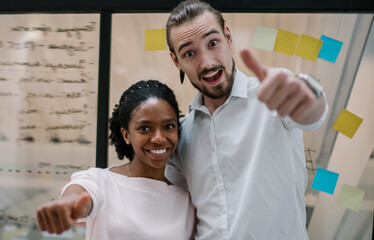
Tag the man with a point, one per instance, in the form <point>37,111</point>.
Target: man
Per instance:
<point>241,151</point>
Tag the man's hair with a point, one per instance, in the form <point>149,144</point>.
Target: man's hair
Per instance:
<point>186,11</point>
<point>129,103</point>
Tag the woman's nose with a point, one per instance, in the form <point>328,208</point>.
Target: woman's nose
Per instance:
<point>158,137</point>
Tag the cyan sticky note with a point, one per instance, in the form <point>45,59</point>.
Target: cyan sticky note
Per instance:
<point>325,181</point>
<point>264,38</point>
<point>155,39</point>
<point>330,49</point>
<point>350,197</point>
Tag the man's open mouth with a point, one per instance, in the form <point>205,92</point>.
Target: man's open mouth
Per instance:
<point>212,77</point>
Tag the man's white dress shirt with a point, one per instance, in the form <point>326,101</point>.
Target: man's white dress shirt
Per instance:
<point>244,167</point>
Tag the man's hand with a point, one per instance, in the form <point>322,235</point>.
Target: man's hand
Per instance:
<point>287,94</point>
<point>59,215</point>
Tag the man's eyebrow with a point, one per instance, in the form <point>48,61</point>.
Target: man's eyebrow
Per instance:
<point>213,31</point>
<point>210,33</point>
<point>184,45</point>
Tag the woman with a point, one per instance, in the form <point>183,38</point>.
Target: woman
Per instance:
<point>133,200</point>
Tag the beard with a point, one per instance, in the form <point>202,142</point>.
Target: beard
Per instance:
<point>221,90</point>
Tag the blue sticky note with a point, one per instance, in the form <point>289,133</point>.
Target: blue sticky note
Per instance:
<point>325,181</point>
<point>330,49</point>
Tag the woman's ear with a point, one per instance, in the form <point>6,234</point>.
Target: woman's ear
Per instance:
<point>125,135</point>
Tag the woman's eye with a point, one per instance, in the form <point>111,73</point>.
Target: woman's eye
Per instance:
<point>143,128</point>
<point>189,54</point>
<point>170,126</point>
<point>213,43</point>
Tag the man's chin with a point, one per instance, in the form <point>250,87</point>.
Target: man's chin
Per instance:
<point>217,93</point>
<point>219,90</point>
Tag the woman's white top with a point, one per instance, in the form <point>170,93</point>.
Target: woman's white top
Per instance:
<point>134,208</point>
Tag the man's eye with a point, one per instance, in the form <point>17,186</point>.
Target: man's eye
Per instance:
<point>213,43</point>
<point>189,54</point>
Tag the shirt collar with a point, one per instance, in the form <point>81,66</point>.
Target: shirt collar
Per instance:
<point>239,89</point>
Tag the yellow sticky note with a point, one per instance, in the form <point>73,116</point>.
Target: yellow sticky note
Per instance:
<point>308,47</point>
<point>155,39</point>
<point>347,123</point>
<point>286,42</point>
<point>350,197</point>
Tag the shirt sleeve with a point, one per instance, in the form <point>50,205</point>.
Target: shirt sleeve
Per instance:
<point>173,172</point>
<point>90,181</point>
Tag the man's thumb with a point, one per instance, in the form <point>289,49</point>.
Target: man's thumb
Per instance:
<point>253,65</point>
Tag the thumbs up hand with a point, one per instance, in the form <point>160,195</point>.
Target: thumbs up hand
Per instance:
<point>59,215</point>
<point>286,93</point>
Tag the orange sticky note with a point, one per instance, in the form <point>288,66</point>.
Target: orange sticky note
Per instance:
<point>155,39</point>
<point>286,42</point>
<point>308,47</point>
<point>347,123</point>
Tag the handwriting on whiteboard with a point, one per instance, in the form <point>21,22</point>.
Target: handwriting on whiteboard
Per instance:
<point>48,79</point>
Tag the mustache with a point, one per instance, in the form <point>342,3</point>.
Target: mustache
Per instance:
<point>213,69</point>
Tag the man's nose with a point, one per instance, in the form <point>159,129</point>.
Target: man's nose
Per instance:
<point>207,60</point>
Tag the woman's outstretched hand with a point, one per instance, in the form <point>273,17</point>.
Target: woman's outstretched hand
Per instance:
<point>60,215</point>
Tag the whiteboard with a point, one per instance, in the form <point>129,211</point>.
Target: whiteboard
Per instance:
<point>48,106</point>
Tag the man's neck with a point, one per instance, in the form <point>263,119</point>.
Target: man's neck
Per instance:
<point>213,104</point>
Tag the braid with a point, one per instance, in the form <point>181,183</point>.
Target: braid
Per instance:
<point>129,101</point>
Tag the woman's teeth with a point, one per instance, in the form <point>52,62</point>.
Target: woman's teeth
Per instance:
<point>158,151</point>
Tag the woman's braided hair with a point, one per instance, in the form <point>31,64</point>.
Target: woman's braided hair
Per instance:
<point>129,102</point>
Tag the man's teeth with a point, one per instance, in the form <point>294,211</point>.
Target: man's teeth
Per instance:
<point>211,75</point>
<point>158,151</point>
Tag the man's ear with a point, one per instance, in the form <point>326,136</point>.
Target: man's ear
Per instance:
<point>228,37</point>
<point>125,135</point>
<point>175,60</point>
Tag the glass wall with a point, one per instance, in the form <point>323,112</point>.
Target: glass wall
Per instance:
<point>48,111</point>
<point>48,106</point>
